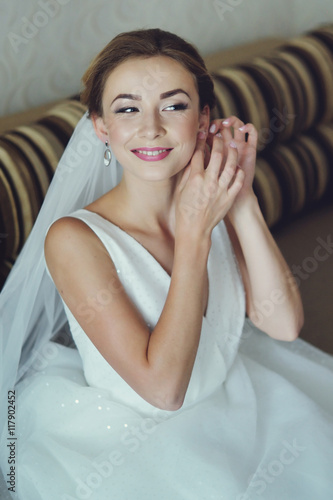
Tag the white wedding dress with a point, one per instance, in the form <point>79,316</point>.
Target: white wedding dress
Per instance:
<point>257,421</point>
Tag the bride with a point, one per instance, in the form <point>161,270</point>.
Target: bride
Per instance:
<point>172,393</point>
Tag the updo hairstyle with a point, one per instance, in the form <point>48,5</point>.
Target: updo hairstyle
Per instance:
<point>143,44</point>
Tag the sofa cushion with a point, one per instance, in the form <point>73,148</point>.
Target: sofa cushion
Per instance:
<point>287,93</point>
<point>29,155</point>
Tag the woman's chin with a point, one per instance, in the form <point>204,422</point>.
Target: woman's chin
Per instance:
<point>153,172</point>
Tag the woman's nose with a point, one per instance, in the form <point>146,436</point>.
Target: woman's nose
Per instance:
<point>151,126</point>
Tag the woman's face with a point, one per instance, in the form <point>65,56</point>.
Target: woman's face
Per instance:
<point>151,116</point>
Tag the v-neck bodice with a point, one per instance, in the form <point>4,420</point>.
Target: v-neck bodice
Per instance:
<point>141,246</point>
<point>126,234</point>
<point>147,283</point>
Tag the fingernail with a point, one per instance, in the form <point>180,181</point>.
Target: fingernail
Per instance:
<point>233,144</point>
<point>225,122</point>
<point>212,129</point>
<point>242,128</point>
<point>218,134</point>
<point>202,134</point>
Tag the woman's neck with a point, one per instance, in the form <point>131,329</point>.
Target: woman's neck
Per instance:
<point>146,205</point>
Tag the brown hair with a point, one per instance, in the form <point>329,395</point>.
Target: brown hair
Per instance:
<point>144,43</point>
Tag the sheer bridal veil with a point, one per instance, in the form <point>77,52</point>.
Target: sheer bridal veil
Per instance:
<point>31,311</point>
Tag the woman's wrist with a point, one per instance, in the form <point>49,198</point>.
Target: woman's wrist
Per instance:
<point>192,248</point>
<point>194,242</point>
<point>241,214</point>
<point>189,231</point>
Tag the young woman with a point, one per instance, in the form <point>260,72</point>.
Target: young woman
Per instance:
<point>171,392</point>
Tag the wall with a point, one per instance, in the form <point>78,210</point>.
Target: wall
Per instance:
<point>45,45</point>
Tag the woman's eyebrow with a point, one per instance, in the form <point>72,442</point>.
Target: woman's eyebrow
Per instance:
<point>165,95</point>
<point>170,93</point>
<point>133,97</point>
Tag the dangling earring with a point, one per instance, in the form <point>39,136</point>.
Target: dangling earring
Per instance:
<point>107,155</point>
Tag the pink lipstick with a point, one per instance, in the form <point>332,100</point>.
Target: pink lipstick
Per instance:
<point>151,154</point>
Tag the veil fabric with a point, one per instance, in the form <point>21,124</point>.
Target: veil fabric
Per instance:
<point>31,310</point>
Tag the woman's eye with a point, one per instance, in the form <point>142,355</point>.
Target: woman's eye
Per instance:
<point>127,110</point>
<point>176,107</point>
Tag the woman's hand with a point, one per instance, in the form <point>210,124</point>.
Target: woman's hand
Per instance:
<point>263,268</point>
<point>246,149</point>
<point>208,188</point>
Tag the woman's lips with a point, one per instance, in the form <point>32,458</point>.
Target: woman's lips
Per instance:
<point>151,154</point>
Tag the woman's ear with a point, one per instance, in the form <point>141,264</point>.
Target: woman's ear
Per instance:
<point>99,128</point>
<point>204,119</point>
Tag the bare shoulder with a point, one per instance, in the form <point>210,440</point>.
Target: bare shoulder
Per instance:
<point>72,251</point>
<point>65,229</point>
<point>68,235</point>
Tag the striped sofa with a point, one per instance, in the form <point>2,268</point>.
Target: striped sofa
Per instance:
<point>284,87</point>
<point>29,155</point>
<point>288,95</point>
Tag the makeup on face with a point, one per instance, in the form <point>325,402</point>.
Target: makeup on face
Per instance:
<point>151,154</point>
<point>151,125</point>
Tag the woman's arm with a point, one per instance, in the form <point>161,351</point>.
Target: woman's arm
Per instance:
<point>273,299</point>
<point>157,365</point>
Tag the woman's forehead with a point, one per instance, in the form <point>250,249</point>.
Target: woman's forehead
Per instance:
<point>144,75</point>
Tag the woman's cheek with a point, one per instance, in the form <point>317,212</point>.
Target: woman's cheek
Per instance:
<point>193,144</point>
<point>119,132</point>
<point>188,154</point>
<point>119,138</point>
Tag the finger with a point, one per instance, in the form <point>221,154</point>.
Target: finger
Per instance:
<point>252,132</point>
<point>215,127</point>
<point>236,170</point>
<point>233,123</point>
<point>227,135</point>
<point>230,167</point>
<point>216,158</point>
<point>237,184</point>
<point>237,124</point>
<point>198,157</point>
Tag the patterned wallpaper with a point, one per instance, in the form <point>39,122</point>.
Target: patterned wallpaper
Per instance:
<point>46,45</point>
